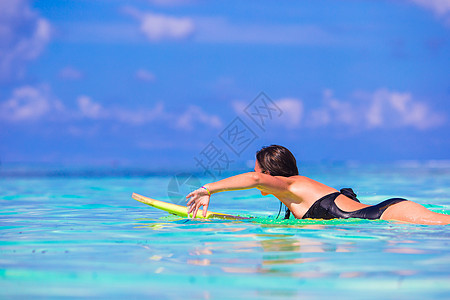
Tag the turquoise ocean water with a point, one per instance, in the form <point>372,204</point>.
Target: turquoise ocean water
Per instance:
<point>75,232</point>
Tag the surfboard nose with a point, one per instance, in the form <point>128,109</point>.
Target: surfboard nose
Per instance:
<point>181,211</point>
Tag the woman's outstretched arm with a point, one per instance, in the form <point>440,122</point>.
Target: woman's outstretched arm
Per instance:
<point>201,196</point>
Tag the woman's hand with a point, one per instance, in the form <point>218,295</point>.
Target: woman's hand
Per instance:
<point>199,197</point>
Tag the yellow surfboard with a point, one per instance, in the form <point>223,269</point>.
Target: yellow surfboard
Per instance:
<point>182,210</point>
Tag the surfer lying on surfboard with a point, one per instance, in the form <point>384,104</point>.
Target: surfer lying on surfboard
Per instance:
<point>276,173</point>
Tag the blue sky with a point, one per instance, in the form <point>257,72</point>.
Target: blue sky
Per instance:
<point>153,82</point>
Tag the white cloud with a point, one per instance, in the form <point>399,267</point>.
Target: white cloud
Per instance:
<point>94,110</point>
<point>395,109</point>
<point>239,106</point>
<point>333,110</point>
<point>23,36</point>
<point>318,118</point>
<point>195,115</point>
<point>90,109</point>
<point>145,75</point>
<point>141,116</point>
<point>30,103</point>
<point>380,109</point>
<point>70,73</point>
<point>158,27</point>
<point>188,120</point>
<point>292,112</point>
<point>439,7</point>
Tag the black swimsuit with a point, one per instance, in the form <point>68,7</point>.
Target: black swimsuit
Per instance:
<point>325,208</point>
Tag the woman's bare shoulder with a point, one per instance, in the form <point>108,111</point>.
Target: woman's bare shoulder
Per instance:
<point>293,179</point>
<point>300,179</point>
<point>304,183</point>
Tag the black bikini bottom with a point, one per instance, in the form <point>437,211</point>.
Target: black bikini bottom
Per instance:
<point>325,208</point>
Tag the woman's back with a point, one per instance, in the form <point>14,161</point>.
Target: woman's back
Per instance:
<point>307,191</point>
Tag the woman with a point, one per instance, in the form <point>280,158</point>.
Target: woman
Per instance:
<point>276,173</point>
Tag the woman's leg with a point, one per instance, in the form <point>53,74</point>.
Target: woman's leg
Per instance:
<point>411,212</point>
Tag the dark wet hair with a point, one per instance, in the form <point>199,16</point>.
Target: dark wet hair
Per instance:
<point>277,161</point>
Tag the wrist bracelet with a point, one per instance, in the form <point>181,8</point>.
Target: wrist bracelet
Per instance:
<point>203,187</point>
